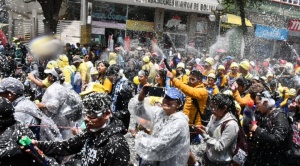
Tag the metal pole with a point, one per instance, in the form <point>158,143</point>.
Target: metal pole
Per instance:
<point>83,12</point>
<point>217,30</point>
<point>126,20</point>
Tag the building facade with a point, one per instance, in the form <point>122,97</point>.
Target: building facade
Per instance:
<point>174,23</point>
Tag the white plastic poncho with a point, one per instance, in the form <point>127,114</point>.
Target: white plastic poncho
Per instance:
<point>55,99</point>
<point>169,142</point>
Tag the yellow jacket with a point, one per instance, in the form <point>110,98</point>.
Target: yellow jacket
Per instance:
<point>67,72</point>
<point>106,84</point>
<point>243,101</point>
<point>200,93</point>
<point>84,72</point>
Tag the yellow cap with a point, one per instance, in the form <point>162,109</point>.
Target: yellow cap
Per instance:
<point>51,65</point>
<point>62,61</point>
<point>234,64</point>
<point>94,71</point>
<point>211,75</point>
<point>93,87</point>
<point>269,75</point>
<point>187,72</point>
<point>112,62</point>
<point>180,64</point>
<point>221,67</point>
<point>136,80</point>
<point>146,59</point>
<point>292,92</point>
<point>245,65</point>
<point>63,57</point>
<point>209,60</point>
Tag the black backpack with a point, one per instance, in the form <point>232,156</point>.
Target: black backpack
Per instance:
<point>205,117</point>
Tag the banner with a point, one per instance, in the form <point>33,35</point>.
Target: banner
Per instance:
<point>271,33</point>
<point>294,25</point>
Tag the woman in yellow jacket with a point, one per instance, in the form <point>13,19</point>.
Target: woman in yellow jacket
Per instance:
<point>102,67</point>
<point>180,73</point>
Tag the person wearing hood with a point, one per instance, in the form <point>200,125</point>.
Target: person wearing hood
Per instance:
<point>221,79</point>
<point>101,143</point>
<point>244,67</point>
<point>220,135</point>
<point>26,111</point>
<point>169,142</point>
<point>58,100</point>
<point>208,63</point>
<point>63,64</point>
<point>10,132</point>
<point>180,73</point>
<point>211,87</point>
<point>233,74</point>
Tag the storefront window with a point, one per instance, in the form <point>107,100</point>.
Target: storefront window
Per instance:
<point>175,21</point>
<point>139,13</point>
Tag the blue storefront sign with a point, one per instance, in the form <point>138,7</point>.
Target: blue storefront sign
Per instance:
<point>271,33</point>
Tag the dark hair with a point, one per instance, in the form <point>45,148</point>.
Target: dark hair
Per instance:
<point>221,100</point>
<point>163,74</point>
<point>105,63</point>
<point>113,69</point>
<point>241,81</point>
<point>146,72</point>
<point>197,74</point>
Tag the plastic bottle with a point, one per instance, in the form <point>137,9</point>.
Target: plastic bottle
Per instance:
<point>38,154</point>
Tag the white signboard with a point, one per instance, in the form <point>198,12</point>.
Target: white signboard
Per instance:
<point>199,6</point>
<point>70,31</point>
<point>98,31</point>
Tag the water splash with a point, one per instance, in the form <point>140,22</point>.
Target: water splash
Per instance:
<point>223,42</point>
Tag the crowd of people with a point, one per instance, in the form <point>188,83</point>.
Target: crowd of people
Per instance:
<point>93,106</point>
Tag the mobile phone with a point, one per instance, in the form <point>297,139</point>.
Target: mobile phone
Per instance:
<point>154,91</point>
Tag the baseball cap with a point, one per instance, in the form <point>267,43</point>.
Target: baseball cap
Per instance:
<point>76,59</point>
<point>93,87</point>
<point>229,57</point>
<point>12,85</point>
<point>52,71</point>
<point>175,94</point>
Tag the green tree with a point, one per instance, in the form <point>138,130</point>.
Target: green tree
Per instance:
<point>238,7</point>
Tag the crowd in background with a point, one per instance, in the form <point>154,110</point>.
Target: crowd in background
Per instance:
<point>93,106</point>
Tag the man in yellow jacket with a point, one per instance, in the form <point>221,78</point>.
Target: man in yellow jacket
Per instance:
<point>194,89</point>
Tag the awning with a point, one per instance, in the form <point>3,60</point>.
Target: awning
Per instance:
<point>234,19</point>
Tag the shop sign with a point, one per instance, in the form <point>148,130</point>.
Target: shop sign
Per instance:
<point>98,31</point>
<point>294,25</point>
<point>184,4</point>
<point>109,16</point>
<point>288,2</point>
<point>108,25</point>
<point>140,26</point>
<point>271,33</point>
